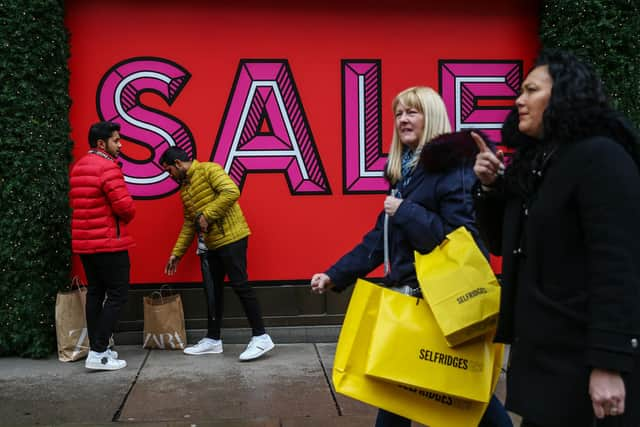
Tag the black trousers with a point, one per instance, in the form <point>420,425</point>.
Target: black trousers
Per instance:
<point>229,260</point>
<point>107,275</point>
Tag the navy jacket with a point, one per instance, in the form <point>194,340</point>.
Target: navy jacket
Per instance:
<point>437,200</point>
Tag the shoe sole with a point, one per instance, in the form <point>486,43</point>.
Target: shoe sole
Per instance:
<point>262,353</point>
<point>101,367</point>
<point>202,352</point>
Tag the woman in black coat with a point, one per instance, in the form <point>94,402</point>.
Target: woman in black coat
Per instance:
<point>565,217</point>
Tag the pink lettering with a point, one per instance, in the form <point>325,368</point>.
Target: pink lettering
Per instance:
<point>265,129</point>
<point>118,100</point>
<point>362,155</point>
<point>464,83</point>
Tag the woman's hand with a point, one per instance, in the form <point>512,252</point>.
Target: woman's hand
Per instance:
<point>488,165</point>
<point>607,392</point>
<point>391,205</point>
<point>320,282</point>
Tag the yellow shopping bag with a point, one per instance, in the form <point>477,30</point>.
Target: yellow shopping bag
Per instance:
<point>408,347</point>
<point>460,287</point>
<point>430,408</point>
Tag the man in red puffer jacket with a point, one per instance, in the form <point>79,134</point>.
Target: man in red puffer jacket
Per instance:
<point>102,208</point>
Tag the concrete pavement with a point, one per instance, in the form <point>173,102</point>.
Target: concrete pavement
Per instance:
<point>290,386</point>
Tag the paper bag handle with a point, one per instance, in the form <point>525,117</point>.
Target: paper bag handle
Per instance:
<point>159,293</point>
<point>76,283</point>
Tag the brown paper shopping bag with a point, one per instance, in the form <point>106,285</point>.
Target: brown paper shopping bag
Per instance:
<point>164,322</point>
<point>71,324</point>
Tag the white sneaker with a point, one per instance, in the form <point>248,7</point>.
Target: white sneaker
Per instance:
<point>112,353</point>
<point>257,347</point>
<point>103,362</point>
<point>205,346</point>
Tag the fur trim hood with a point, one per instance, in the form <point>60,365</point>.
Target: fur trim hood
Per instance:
<point>448,151</point>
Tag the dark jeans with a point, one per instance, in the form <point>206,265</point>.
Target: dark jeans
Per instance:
<point>389,419</point>
<point>107,275</point>
<point>229,260</point>
<point>494,416</point>
<point>605,422</point>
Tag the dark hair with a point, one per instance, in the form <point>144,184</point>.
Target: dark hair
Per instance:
<point>172,154</point>
<point>103,131</point>
<point>578,109</point>
<point>577,101</point>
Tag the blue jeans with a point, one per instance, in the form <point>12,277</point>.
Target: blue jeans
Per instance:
<point>494,416</point>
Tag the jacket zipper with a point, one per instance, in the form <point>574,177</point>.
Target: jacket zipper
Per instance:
<point>117,228</point>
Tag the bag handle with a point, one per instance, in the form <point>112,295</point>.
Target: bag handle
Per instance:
<point>166,288</point>
<point>76,283</point>
<point>157,295</point>
<point>387,263</point>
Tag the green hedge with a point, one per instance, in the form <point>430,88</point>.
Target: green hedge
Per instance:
<point>606,33</point>
<point>35,151</point>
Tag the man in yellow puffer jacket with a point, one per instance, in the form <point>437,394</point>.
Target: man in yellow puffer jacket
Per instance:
<point>211,210</point>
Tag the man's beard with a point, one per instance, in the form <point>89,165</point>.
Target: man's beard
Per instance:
<point>182,178</point>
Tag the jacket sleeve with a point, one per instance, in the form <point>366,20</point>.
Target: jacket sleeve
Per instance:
<point>609,207</point>
<point>361,260</point>
<point>187,233</point>
<point>489,208</point>
<point>115,189</point>
<point>226,191</point>
<point>425,229</point>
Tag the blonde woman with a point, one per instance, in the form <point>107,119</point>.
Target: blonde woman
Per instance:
<point>431,175</point>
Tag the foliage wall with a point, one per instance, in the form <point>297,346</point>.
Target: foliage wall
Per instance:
<point>35,151</point>
<point>606,33</point>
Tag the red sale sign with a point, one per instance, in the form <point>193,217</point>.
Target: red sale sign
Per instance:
<point>292,100</point>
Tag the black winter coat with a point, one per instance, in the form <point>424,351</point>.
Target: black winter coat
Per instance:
<point>437,200</point>
<point>571,282</point>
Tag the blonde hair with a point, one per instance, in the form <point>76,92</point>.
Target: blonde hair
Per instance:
<point>436,122</point>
